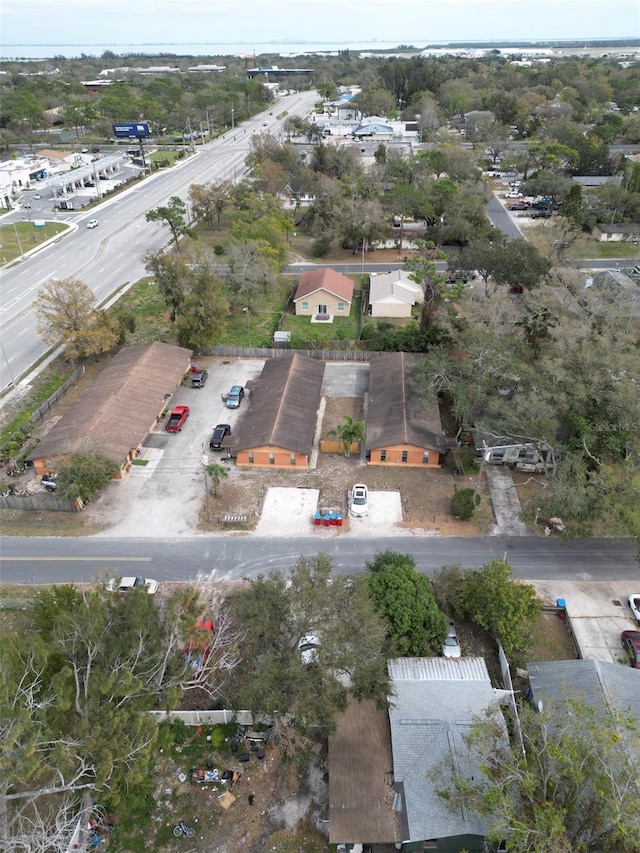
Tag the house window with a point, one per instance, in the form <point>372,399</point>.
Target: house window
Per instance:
<point>305,306</point>
<point>405,456</point>
<point>383,455</point>
<point>272,459</point>
<point>292,459</point>
<point>250,457</point>
<point>340,306</point>
<point>425,457</point>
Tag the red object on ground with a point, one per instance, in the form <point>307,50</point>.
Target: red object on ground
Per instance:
<point>327,520</point>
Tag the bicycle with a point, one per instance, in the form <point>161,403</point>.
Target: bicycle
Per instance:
<point>183,829</point>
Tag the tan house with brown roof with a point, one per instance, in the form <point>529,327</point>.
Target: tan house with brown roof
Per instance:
<point>401,429</point>
<point>279,429</point>
<point>120,408</point>
<point>323,293</point>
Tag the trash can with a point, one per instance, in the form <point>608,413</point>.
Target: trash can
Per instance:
<point>339,521</point>
<point>561,604</point>
<point>317,519</point>
<point>327,520</point>
<point>334,519</point>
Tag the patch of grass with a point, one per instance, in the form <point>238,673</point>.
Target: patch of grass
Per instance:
<point>21,237</point>
<point>141,462</point>
<point>552,640</point>
<point>16,522</point>
<point>306,839</point>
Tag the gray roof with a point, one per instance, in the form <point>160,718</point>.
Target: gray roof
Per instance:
<point>597,683</point>
<point>284,405</point>
<point>434,703</point>
<point>395,415</point>
<point>394,285</point>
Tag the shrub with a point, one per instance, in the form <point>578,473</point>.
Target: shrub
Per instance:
<point>320,247</point>
<point>464,502</point>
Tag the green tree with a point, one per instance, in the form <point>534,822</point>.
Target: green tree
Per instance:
<point>205,311</point>
<point>402,596</point>
<point>173,216</point>
<point>65,313</point>
<point>171,274</point>
<point>274,612</point>
<point>505,608</point>
<point>84,474</point>
<point>348,432</point>
<point>217,474</point>
<point>571,785</point>
<point>464,502</point>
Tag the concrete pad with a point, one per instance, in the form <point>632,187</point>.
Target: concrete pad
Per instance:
<point>598,614</point>
<point>288,512</point>
<point>505,501</point>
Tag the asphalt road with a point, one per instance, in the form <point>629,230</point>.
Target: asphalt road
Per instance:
<point>226,558</point>
<point>109,257</point>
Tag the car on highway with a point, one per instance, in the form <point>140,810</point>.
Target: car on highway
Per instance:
<point>127,584</point>
<point>451,646</point>
<point>37,195</point>
<point>308,647</point>
<point>631,645</point>
<point>634,604</point>
<point>265,124</point>
<point>219,435</point>
<point>92,223</point>
<point>199,378</point>
<point>235,396</point>
<point>177,418</point>
<point>359,503</point>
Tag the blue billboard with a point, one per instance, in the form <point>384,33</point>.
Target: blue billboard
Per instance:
<point>131,129</point>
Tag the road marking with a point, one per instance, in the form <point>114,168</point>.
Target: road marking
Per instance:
<point>75,559</point>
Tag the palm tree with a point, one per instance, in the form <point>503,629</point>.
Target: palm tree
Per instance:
<point>217,474</point>
<point>348,432</point>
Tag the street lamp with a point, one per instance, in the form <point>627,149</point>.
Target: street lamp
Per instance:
<point>246,311</point>
<point>232,124</point>
<point>18,239</point>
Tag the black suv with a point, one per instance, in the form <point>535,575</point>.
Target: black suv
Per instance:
<point>542,214</point>
<point>219,435</point>
<point>198,378</point>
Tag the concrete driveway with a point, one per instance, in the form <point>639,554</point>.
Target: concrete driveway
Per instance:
<point>164,497</point>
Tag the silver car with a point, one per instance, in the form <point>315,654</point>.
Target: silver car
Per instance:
<point>451,646</point>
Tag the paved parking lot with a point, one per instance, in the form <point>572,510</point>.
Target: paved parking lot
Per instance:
<point>164,497</point>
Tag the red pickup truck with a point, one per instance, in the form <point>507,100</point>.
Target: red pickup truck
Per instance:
<point>177,418</point>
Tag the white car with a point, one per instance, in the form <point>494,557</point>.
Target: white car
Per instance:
<point>359,505</point>
<point>92,223</point>
<point>513,194</point>
<point>451,646</point>
<point>308,648</point>
<point>37,195</point>
<point>634,604</point>
<point>126,584</point>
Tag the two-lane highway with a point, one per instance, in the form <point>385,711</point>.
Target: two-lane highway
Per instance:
<point>231,558</point>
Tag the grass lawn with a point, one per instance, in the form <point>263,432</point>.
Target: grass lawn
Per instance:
<point>20,237</point>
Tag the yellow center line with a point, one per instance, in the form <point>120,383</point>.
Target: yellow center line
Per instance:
<point>75,559</point>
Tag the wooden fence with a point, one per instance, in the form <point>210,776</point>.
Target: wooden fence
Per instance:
<point>39,503</point>
<point>272,352</point>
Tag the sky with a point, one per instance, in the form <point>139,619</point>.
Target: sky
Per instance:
<point>417,22</point>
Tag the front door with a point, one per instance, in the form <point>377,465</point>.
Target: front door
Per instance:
<point>322,309</point>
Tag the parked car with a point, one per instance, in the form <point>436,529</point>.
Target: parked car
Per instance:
<point>451,646</point>
<point>513,194</point>
<point>92,223</point>
<point>541,214</point>
<point>631,644</point>
<point>234,397</point>
<point>308,648</point>
<point>219,434</point>
<point>458,277</point>
<point>177,418</point>
<point>49,480</point>
<point>634,604</point>
<point>126,584</point>
<point>199,378</point>
<point>519,205</point>
<point>359,504</point>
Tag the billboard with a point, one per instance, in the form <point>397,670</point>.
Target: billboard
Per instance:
<point>131,129</point>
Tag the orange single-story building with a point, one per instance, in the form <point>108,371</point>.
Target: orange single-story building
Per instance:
<point>121,407</point>
<point>279,428</point>
<point>323,293</point>
<point>402,428</point>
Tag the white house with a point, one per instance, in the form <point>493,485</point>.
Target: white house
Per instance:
<point>393,294</point>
